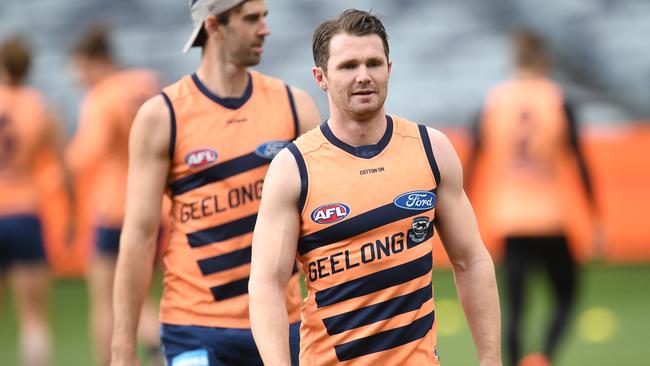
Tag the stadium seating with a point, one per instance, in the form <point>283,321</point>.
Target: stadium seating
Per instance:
<point>446,53</point>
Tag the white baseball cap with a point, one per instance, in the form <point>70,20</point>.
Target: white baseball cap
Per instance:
<point>201,9</point>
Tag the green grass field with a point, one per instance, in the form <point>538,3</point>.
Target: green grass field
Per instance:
<point>611,326</point>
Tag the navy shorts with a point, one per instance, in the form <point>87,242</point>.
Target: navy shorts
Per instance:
<point>107,240</point>
<point>21,240</point>
<point>205,346</point>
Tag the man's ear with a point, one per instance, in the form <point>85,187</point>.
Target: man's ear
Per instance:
<point>320,76</point>
<point>212,26</point>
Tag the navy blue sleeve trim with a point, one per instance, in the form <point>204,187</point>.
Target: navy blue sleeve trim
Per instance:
<point>294,112</point>
<point>426,142</point>
<point>304,180</point>
<point>172,126</point>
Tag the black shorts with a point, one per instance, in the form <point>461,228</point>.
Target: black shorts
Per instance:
<point>107,240</point>
<point>21,241</point>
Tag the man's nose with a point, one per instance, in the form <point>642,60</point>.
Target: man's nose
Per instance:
<point>362,75</point>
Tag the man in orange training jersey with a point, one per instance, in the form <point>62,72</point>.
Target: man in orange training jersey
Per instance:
<point>206,142</point>
<point>525,134</point>
<point>356,201</point>
<point>27,130</point>
<point>100,150</point>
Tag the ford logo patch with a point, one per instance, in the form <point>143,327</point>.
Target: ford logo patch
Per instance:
<point>416,200</point>
<point>270,149</point>
<point>330,213</point>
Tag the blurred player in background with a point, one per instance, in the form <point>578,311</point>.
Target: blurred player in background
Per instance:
<point>100,149</point>
<point>207,142</point>
<point>356,200</point>
<point>27,131</point>
<point>526,132</point>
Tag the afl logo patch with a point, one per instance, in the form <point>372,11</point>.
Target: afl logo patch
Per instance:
<point>200,158</point>
<point>330,213</point>
<point>270,149</point>
<point>416,200</point>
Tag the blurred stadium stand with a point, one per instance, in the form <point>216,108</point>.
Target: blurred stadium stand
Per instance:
<point>446,53</point>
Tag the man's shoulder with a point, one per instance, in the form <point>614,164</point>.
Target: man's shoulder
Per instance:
<point>26,94</point>
<point>268,83</point>
<point>263,76</point>
<point>179,89</point>
<point>310,141</point>
<point>506,89</point>
<point>407,127</point>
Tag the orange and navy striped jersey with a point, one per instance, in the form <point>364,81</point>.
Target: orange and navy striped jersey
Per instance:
<point>220,152</point>
<point>524,136</point>
<point>365,245</point>
<point>23,126</point>
<point>101,143</point>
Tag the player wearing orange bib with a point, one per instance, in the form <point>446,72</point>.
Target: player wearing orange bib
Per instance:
<point>27,130</point>
<point>526,134</point>
<point>356,201</point>
<point>99,151</point>
<point>207,142</point>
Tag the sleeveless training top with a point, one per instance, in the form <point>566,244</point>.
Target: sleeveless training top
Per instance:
<point>102,141</point>
<point>524,136</point>
<point>366,247</point>
<point>220,152</point>
<point>22,130</point>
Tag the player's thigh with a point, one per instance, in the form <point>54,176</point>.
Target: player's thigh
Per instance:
<point>561,266</point>
<point>31,284</point>
<point>100,274</point>
<point>103,262</point>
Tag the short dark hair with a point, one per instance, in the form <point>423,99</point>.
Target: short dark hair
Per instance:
<point>530,50</point>
<point>352,21</point>
<point>94,44</point>
<point>15,59</point>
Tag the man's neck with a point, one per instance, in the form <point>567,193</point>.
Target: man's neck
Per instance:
<point>355,132</point>
<point>104,70</point>
<point>530,73</point>
<point>222,78</point>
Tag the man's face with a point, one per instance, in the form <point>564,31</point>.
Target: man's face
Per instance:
<point>245,32</point>
<point>357,74</point>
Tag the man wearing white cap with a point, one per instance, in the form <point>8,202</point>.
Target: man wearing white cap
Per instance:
<point>206,142</point>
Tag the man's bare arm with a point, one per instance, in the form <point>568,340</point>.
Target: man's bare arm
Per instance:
<point>274,252</point>
<point>308,113</point>
<point>148,169</point>
<point>472,264</point>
